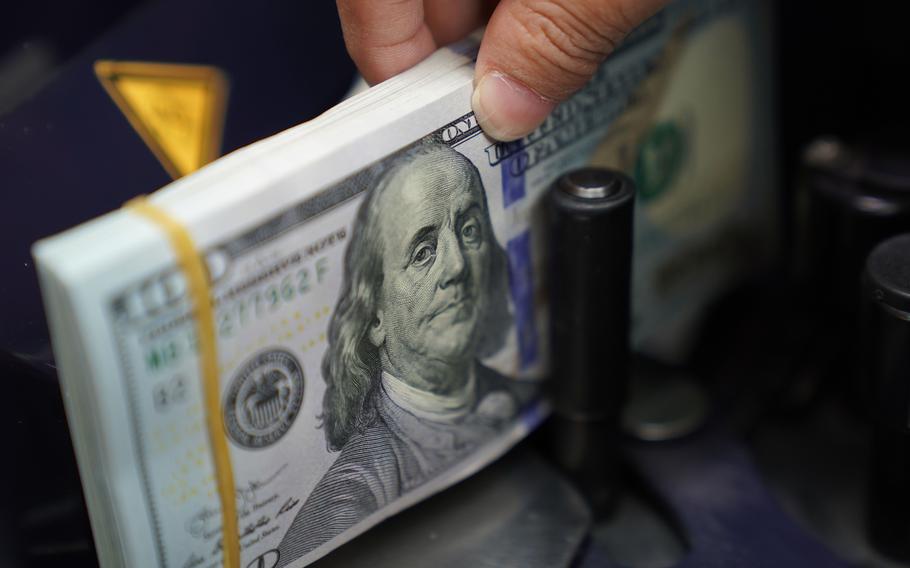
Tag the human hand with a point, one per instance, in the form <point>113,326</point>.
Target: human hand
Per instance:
<point>534,54</point>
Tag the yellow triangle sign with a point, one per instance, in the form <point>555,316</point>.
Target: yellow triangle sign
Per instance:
<point>178,110</point>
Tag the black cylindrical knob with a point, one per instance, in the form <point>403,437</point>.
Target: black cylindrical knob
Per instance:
<point>590,250</point>
<point>590,222</point>
<point>853,198</point>
<point>886,331</point>
<point>886,364</point>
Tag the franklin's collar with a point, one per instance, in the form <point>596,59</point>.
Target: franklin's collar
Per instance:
<point>430,406</point>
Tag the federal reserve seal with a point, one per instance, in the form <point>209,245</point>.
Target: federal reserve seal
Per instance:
<point>263,400</point>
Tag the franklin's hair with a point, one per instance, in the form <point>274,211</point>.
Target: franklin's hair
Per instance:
<point>351,366</point>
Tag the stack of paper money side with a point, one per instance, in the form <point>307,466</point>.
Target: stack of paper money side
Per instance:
<point>378,283</point>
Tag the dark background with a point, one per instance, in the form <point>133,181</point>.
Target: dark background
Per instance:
<point>67,155</point>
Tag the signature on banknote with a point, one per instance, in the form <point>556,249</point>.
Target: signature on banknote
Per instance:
<point>206,523</point>
<point>247,493</point>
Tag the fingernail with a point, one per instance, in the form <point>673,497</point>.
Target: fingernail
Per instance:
<point>506,109</point>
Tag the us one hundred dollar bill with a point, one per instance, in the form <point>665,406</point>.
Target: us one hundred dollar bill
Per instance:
<point>378,289</point>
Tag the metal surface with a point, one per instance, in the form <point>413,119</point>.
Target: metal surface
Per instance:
<point>590,183</point>
<point>517,513</point>
<point>816,468</point>
<point>664,409</point>
<point>729,517</point>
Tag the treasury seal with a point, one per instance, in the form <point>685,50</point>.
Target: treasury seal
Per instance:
<point>263,399</point>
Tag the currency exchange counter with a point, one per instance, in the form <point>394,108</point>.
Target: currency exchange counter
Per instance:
<point>721,461</point>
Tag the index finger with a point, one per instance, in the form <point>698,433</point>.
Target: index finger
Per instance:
<point>385,37</point>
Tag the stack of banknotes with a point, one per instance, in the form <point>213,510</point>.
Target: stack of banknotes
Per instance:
<point>379,293</point>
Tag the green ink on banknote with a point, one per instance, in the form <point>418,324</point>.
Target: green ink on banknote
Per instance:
<point>659,160</point>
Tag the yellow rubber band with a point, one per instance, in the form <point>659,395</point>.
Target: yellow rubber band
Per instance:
<point>194,269</point>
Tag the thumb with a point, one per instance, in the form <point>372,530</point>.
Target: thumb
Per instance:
<point>536,53</point>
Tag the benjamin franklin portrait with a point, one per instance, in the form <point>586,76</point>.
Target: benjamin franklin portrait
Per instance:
<point>424,299</point>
